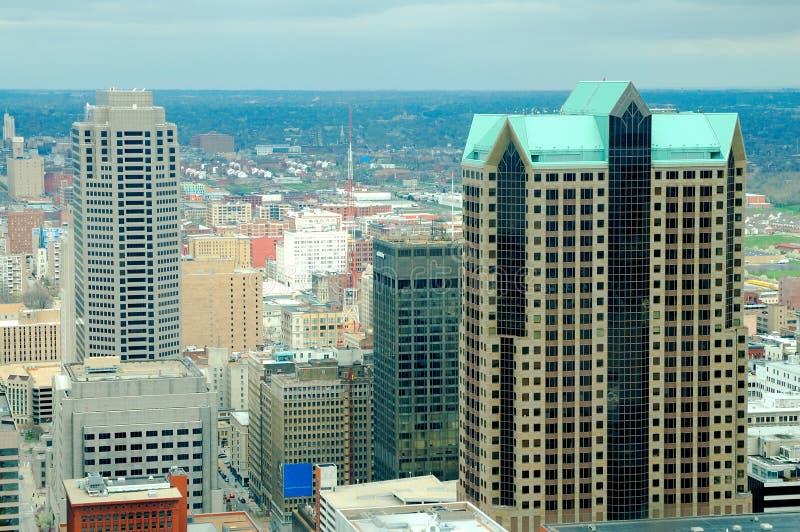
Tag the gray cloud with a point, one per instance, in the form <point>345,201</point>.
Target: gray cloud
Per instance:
<point>418,44</point>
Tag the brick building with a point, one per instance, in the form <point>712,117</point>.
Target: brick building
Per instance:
<point>132,503</point>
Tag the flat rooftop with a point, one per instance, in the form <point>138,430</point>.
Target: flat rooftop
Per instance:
<point>780,521</point>
<point>121,490</point>
<point>460,516</point>
<point>777,432</point>
<point>146,369</point>
<point>412,490</point>
<point>238,521</point>
<point>41,373</point>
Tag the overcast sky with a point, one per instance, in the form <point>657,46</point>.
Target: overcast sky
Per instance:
<point>398,44</point>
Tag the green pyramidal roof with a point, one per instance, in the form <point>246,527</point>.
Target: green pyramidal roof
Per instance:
<point>594,97</point>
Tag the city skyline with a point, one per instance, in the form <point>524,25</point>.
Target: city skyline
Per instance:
<point>408,45</point>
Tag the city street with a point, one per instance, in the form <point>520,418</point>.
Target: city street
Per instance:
<point>29,501</point>
<point>231,485</point>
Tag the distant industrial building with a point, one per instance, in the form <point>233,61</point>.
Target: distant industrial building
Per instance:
<point>263,150</point>
<point>219,213</point>
<point>316,243</point>
<point>213,143</point>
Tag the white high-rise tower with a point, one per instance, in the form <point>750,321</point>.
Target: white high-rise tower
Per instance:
<point>125,217</point>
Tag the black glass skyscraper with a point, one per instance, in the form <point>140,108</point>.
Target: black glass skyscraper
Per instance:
<point>416,312</point>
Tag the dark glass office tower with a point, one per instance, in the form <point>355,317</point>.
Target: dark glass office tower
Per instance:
<point>416,312</point>
<point>602,363</point>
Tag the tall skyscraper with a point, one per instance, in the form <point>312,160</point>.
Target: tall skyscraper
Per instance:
<point>603,371</point>
<point>126,238</point>
<point>416,311</point>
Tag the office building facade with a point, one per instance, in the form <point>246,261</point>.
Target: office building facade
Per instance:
<point>320,414</point>
<point>133,419</point>
<point>125,223</point>
<point>416,312</point>
<point>603,358</point>
<point>222,305</point>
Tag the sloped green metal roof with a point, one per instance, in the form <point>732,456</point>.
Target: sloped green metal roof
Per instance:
<point>579,135</point>
<point>482,134</point>
<point>594,97</point>
<point>692,136</point>
<point>545,138</point>
<point>724,125</point>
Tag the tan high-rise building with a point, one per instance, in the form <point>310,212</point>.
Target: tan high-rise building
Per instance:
<point>29,335</point>
<point>125,229</point>
<point>603,358</point>
<point>221,306</point>
<point>25,177</point>
<point>320,414</point>
<point>236,248</point>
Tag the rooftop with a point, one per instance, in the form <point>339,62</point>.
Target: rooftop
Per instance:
<point>781,522</point>
<point>41,373</point>
<point>412,490</point>
<point>242,418</point>
<point>95,489</point>
<point>579,134</point>
<point>110,368</point>
<point>238,521</point>
<point>461,516</point>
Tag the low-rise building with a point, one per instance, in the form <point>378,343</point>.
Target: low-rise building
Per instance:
<point>29,335</point>
<point>29,389</point>
<point>312,325</point>
<point>412,502</point>
<point>234,213</point>
<point>235,248</point>
<point>130,503</point>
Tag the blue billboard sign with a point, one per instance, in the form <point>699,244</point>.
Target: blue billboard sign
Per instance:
<point>297,480</point>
